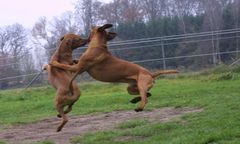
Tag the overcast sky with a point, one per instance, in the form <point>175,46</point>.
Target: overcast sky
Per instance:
<point>27,12</point>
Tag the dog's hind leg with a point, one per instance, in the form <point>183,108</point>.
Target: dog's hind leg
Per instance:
<point>75,96</point>
<point>69,109</point>
<point>133,90</point>
<point>145,82</point>
<point>138,98</point>
<point>64,117</point>
<point>71,99</point>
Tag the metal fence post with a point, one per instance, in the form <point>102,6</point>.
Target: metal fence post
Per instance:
<point>214,51</point>
<point>163,54</point>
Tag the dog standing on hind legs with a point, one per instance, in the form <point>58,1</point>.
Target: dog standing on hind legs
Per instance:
<point>103,66</point>
<point>60,79</point>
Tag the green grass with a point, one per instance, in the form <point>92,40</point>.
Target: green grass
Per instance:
<point>44,142</point>
<point>219,123</point>
<point>218,93</point>
<point>1,142</point>
<point>38,103</point>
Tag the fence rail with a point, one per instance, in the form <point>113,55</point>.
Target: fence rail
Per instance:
<point>204,46</point>
<point>147,46</point>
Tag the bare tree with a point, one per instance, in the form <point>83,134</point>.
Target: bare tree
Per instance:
<point>39,32</point>
<point>13,49</point>
<point>153,9</point>
<point>41,40</point>
<point>89,12</point>
<point>111,13</point>
<point>66,23</point>
<point>13,40</point>
<point>213,11</point>
<point>46,34</point>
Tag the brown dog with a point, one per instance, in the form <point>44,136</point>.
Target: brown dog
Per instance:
<point>61,79</point>
<point>101,65</point>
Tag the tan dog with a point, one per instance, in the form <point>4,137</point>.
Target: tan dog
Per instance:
<point>103,66</point>
<point>61,79</point>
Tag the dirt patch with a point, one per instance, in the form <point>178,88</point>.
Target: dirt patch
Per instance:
<point>79,125</point>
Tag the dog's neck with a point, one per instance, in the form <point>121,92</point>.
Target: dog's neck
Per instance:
<point>97,43</point>
<point>63,53</point>
<point>102,47</point>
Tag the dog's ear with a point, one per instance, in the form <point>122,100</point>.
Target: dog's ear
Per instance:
<point>106,26</point>
<point>111,35</point>
<point>61,38</point>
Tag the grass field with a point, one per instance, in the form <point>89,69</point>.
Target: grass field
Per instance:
<point>216,92</point>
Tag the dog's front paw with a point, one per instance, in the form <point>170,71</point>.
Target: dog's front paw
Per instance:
<point>75,61</point>
<point>53,63</point>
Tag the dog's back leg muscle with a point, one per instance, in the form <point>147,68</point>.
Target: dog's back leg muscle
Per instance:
<point>145,82</point>
<point>71,99</point>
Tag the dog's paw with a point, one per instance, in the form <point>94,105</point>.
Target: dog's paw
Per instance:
<point>138,109</point>
<point>45,67</point>
<point>138,98</point>
<point>75,61</point>
<point>59,116</point>
<point>135,100</point>
<point>53,63</point>
<point>149,94</point>
<point>58,129</point>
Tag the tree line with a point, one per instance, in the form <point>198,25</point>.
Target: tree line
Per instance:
<point>132,19</point>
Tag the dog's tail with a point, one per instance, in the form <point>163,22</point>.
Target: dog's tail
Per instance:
<point>158,73</point>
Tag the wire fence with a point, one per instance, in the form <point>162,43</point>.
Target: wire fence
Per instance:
<point>193,52</point>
